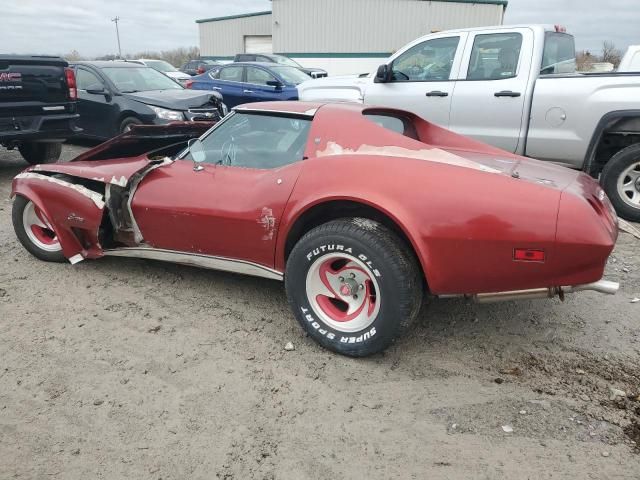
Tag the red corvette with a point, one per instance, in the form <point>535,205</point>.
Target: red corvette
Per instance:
<point>360,210</point>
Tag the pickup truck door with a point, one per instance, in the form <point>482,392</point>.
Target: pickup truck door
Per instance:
<point>423,78</point>
<point>489,101</point>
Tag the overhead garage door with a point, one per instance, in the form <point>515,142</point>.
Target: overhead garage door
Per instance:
<point>258,44</point>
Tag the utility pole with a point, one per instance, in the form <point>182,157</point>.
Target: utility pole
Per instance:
<point>116,20</point>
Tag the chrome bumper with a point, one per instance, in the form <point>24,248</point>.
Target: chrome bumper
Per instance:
<point>602,286</point>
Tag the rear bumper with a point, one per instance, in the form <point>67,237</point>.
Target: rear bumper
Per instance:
<point>14,130</point>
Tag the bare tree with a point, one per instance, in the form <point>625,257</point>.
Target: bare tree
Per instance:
<point>610,53</point>
<point>584,60</point>
<point>73,56</point>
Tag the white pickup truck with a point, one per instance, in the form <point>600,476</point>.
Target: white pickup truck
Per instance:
<point>514,87</point>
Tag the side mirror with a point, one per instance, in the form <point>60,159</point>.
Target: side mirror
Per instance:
<point>97,89</point>
<point>197,153</point>
<point>383,73</point>
<point>274,83</point>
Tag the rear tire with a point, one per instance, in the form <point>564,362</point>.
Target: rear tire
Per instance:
<point>127,123</point>
<point>40,241</point>
<point>353,285</point>
<point>620,179</point>
<point>40,152</point>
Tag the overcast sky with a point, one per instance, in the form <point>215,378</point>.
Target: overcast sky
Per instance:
<point>58,27</point>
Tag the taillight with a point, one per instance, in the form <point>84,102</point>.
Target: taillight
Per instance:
<point>528,255</point>
<point>71,83</point>
<point>188,84</point>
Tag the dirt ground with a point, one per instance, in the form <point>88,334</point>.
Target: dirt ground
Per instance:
<point>125,368</point>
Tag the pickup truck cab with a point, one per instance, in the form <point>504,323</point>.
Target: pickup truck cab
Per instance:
<point>37,106</point>
<point>514,87</point>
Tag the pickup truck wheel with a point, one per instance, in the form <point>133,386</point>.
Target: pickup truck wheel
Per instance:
<point>40,152</point>
<point>34,231</point>
<point>128,122</point>
<point>620,179</point>
<point>353,286</point>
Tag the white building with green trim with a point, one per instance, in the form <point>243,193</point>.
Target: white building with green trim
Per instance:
<point>340,36</point>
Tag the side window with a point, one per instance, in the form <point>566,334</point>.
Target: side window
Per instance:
<point>428,61</point>
<point>258,76</point>
<point>559,55</point>
<point>87,80</point>
<point>494,56</point>
<point>257,141</point>
<point>231,74</point>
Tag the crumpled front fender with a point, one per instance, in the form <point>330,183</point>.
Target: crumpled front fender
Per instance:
<point>73,211</point>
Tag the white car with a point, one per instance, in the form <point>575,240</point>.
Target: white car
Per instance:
<point>166,68</point>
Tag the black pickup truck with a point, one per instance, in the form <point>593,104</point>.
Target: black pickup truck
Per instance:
<point>37,106</point>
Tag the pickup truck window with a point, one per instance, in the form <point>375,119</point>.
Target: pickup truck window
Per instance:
<point>85,79</point>
<point>429,61</point>
<point>559,55</point>
<point>495,56</point>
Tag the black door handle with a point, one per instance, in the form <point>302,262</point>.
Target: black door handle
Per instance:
<point>507,93</point>
<point>437,93</point>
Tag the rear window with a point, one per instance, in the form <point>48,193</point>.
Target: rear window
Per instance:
<point>559,55</point>
<point>395,123</point>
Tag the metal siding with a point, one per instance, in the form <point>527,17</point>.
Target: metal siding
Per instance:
<point>302,26</point>
<point>225,38</point>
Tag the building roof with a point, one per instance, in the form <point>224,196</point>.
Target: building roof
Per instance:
<point>231,17</point>
<point>269,12</point>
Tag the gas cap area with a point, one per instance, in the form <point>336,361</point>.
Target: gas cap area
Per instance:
<point>556,116</point>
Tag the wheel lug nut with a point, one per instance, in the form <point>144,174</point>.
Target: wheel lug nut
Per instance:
<point>355,297</point>
<point>341,279</point>
<point>361,287</point>
<point>352,275</point>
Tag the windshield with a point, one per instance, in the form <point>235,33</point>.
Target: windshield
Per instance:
<point>160,65</point>
<point>285,61</point>
<point>139,79</point>
<point>291,75</point>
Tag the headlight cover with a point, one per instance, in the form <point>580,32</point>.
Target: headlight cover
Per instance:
<point>167,114</point>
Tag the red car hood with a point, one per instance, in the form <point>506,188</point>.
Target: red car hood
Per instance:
<point>117,172</point>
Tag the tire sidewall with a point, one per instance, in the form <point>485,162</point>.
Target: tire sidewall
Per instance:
<point>19,204</point>
<point>609,181</point>
<point>378,334</point>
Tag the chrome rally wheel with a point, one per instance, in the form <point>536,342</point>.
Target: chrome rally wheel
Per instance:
<point>38,229</point>
<point>353,285</point>
<point>342,292</point>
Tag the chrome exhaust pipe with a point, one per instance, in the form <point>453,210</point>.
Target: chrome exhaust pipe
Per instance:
<point>602,286</point>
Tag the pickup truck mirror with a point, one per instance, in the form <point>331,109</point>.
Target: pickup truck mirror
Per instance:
<point>274,83</point>
<point>382,75</point>
<point>96,89</point>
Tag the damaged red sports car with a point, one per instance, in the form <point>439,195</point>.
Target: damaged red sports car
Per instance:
<point>360,210</point>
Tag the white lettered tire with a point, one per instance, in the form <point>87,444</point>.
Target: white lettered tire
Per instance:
<point>353,285</point>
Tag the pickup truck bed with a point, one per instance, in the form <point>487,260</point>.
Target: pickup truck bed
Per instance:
<point>37,105</point>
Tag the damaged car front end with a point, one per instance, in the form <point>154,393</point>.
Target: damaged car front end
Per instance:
<point>78,209</point>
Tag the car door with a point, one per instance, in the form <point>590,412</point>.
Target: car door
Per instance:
<point>232,206</point>
<point>422,78</point>
<point>95,108</point>
<point>228,81</point>
<point>256,88</point>
<point>489,98</point>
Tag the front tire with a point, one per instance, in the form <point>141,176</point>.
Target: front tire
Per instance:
<point>353,285</point>
<point>34,231</point>
<point>127,123</point>
<point>620,179</point>
<point>40,152</point>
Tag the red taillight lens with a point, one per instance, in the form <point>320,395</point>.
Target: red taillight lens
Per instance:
<point>71,83</point>
<point>188,84</point>
<point>528,255</point>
